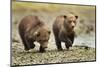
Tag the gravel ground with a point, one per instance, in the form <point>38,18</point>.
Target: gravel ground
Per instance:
<point>75,54</point>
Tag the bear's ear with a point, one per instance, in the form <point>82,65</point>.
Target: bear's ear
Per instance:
<point>65,16</point>
<point>36,34</point>
<point>76,17</point>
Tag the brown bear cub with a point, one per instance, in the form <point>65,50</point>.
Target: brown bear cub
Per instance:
<point>31,29</point>
<point>63,29</point>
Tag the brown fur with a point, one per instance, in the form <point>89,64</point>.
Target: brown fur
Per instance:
<point>63,29</point>
<point>31,29</point>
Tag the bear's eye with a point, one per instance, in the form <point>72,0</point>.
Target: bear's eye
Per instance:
<point>49,32</point>
<point>74,21</point>
<point>69,21</point>
<point>38,35</point>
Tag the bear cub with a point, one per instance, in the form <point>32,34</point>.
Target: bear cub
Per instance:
<point>63,29</point>
<point>31,29</point>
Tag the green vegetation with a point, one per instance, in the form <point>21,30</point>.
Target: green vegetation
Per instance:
<point>21,6</point>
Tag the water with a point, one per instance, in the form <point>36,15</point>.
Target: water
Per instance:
<point>85,40</point>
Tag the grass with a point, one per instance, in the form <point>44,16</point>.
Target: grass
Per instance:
<point>21,6</point>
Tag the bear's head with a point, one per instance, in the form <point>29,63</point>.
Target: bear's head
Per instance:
<point>42,36</point>
<point>70,21</point>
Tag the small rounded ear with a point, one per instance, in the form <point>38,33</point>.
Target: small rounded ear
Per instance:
<point>36,34</point>
<point>65,16</point>
<point>76,17</point>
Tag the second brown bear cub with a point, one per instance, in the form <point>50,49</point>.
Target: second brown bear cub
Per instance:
<point>63,29</point>
<point>31,29</point>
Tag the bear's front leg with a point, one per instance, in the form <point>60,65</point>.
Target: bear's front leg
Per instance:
<point>58,44</point>
<point>25,42</point>
<point>68,43</point>
<point>42,49</point>
<point>31,43</point>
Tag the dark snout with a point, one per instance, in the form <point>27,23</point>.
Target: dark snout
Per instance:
<point>72,25</point>
<point>43,46</point>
